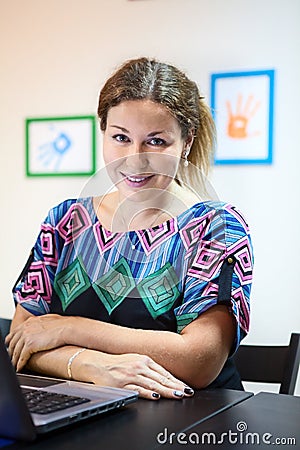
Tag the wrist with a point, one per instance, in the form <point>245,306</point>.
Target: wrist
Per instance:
<point>67,331</point>
<point>94,367</point>
<point>84,367</point>
<point>71,360</point>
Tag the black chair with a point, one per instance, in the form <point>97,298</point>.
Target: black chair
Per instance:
<point>4,326</point>
<point>270,364</point>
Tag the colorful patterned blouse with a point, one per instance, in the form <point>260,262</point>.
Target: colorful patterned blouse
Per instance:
<point>159,278</point>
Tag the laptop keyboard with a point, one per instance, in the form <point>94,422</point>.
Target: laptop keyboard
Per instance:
<point>42,402</point>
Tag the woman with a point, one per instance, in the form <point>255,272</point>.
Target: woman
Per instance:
<point>145,287</point>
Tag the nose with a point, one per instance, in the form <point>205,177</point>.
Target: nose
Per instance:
<point>136,158</point>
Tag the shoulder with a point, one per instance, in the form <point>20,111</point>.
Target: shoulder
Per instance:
<point>221,212</point>
<point>215,222</point>
<point>67,207</point>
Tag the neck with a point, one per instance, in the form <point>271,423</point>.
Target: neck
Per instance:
<point>120,214</point>
<point>136,215</point>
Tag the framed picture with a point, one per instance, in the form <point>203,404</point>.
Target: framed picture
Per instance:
<point>60,146</point>
<point>243,107</point>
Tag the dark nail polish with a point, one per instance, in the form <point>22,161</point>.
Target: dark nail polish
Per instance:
<point>155,395</point>
<point>188,391</point>
<point>178,393</point>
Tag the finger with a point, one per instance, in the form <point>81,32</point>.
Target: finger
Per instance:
<point>164,381</point>
<point>8,339</point>
<point>12,336</point>
<point>23,358</point>
<point>143,392</point>
<point>18,351</point>
<point>150,384</point>
<point>167,379</point>
<point>12,342</point>
<point>163,372</point>
<point>15,351</point>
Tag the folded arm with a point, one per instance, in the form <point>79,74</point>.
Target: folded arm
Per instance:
<point>131,371</point>
<point>195,356</point>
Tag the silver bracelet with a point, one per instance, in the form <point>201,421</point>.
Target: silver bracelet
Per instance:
<point>71,361</point>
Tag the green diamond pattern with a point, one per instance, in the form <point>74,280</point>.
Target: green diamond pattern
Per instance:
<point>115,285</point>
<point>71,282</point>
<point>159,291</point>
<point>184,320</point>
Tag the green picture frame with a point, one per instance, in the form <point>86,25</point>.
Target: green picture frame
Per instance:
<point>60,146</point>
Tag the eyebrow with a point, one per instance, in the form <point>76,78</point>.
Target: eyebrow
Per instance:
<point>153,133</point>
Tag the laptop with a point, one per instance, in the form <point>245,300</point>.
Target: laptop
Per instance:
<point>32,405</point>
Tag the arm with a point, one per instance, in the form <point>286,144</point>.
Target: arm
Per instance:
<point>131,371</point>
<point>196,356</point>
<point>198,353</point>
<point>47,366</point>
<point>181,354</point>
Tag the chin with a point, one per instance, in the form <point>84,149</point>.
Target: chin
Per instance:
<point>136,196</point>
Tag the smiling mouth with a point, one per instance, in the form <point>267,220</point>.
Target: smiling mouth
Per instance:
<point>136,178</point>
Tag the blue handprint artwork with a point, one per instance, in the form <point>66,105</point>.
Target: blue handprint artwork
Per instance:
<point>52,153</point>
<point>60,146</point>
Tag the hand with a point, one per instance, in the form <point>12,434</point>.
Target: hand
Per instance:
<point>34,335</point>
<point>238,122</point>
<point>130,371</point>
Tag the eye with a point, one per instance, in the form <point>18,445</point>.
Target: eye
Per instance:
<point>121,138</point>
<point>157,142</point>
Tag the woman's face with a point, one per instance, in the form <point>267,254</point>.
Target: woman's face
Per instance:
<point>142,147</point>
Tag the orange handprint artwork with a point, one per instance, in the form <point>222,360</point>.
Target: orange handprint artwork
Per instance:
<point>238,122</point>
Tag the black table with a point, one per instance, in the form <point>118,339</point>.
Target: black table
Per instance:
<point>139,425</point>
<point>265,420</point>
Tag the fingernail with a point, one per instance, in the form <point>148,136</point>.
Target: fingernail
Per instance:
<point>155,395</point>
<point>178,393</point>
<point>188,391</point>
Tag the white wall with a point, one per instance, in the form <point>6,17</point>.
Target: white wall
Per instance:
<point>56,55</point>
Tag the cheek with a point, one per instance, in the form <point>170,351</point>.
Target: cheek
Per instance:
<point>110,154</point>
<point>164,164</point>
<point>111,161</point>
<point>109,158</point>
<point>113,166</point>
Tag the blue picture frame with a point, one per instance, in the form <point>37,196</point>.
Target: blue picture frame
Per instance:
<point>239,99</point>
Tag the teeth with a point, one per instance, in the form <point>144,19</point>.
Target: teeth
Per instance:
<point>136,180</point>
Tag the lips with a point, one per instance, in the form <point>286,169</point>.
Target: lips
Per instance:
<point>136,180</point>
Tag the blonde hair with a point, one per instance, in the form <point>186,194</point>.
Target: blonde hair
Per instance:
<point>162,83</point>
